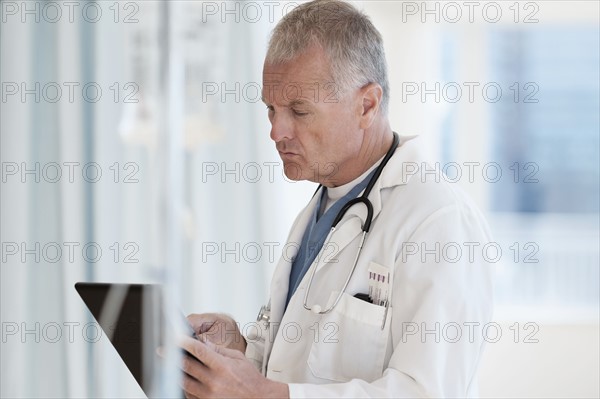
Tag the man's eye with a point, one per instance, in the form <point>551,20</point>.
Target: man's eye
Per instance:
<point>299,113</point>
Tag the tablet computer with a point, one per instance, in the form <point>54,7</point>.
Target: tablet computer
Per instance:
<point>132,317</point>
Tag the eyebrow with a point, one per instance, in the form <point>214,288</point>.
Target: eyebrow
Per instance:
<point>298,102</point>
<point>291,103</point>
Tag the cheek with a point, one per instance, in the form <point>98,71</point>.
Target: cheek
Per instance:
<point>325,132</point>
<point>307,131</point>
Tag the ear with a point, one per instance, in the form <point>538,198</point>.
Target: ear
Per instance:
<point>371,95</point>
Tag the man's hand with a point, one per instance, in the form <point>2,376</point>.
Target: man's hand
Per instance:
<point>219,329</point>
<point>215,371</point>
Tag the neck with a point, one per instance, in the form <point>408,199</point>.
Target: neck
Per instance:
<point>375,145</point>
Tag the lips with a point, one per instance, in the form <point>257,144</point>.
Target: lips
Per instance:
<point>285,151</point>
<point>284,155</point>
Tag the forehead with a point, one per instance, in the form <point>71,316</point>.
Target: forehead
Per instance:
<point>302,75</point>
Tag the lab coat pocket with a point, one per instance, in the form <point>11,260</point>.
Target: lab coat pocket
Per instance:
<point>353,344</point>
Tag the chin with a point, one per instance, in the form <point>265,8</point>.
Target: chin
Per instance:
<point>293,174</point>
<point>293,171</point>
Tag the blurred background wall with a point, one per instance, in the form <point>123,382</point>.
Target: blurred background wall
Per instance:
<point>135,148</point>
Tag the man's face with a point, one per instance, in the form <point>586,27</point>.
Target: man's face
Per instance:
<point>315,127</point>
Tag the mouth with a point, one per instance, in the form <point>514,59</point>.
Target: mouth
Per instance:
<point>283,151</point>
<point>286,155</point>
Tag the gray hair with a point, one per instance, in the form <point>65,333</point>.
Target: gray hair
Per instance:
<point>352,43</point>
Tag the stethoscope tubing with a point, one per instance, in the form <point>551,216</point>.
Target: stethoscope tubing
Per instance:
<point>365,229</point>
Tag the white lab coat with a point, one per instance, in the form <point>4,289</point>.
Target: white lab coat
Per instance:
<point>346,353</point>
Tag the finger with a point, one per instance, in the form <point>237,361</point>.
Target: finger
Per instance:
<point>189,365</point>
<point>192,388</point>
<point>201,351</point>
<point>192,367</point>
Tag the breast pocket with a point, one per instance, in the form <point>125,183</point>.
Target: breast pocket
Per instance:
<point>354,345</point>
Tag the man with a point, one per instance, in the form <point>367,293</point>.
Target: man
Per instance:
<point>332,329</point>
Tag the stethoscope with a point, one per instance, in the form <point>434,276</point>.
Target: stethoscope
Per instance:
<point>265,311</point>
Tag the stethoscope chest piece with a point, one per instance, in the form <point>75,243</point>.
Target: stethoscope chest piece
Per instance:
<point>264,314</point>
<point>316,309</point>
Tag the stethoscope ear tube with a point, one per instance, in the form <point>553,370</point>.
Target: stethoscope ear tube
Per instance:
<point>367,225</point>
<point>364,197</point>
<point>384,162</point>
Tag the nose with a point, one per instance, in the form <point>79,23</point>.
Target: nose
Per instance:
<point>281,128</point>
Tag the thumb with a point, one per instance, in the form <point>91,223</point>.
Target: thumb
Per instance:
<point>202,322</point>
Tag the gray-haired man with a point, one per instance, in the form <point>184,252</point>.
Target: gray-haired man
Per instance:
<point>346,317</point>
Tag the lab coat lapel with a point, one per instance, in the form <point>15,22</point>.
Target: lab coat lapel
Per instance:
<point>281,276</point>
